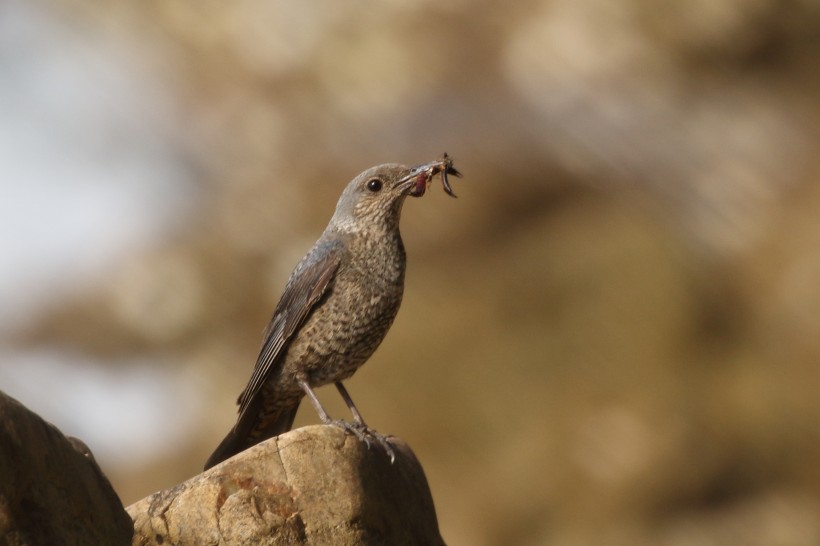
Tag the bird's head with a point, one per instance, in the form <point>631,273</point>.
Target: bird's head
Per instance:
<point>374,198</point>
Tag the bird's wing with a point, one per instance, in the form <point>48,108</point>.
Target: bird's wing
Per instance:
<point>306,287</point>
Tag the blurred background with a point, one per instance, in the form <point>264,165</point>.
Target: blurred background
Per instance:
<point>611,337</point>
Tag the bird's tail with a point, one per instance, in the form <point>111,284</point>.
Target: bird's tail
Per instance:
<point>242,435</point>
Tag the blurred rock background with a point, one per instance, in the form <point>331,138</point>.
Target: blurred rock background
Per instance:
<point>611,337</point>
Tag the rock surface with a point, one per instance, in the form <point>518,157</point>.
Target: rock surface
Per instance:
<point>51,489</point>
<point>314,485</point>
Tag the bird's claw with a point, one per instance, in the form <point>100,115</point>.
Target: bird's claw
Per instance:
<point>365,434</point>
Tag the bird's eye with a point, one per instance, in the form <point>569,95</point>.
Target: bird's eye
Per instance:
<point>374,184</point>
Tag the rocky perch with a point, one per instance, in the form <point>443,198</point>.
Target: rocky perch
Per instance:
<point>314,485</point>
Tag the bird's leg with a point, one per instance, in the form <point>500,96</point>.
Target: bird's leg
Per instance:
<point>323,416</point>
<point>357,428</point>
<point>350,405</point>
<point>364,430</point>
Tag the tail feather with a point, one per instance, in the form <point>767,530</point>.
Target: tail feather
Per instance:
<point>240,438</point>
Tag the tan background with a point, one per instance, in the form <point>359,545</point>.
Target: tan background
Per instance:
<point>611,337</point>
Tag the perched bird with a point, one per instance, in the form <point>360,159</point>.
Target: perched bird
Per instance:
<point>335,310</point>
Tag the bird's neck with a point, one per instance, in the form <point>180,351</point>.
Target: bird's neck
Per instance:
<point>380,247</point>
<point>383,231</point>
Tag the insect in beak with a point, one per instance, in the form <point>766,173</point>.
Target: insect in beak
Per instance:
<point>425,173</point>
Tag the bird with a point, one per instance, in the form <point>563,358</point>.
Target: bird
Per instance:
<point>335,310</point>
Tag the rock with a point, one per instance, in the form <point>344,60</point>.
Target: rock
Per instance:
<point>314,485</point>
<point>51,489</point>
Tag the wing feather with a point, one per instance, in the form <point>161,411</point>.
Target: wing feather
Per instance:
<point>306,286</point>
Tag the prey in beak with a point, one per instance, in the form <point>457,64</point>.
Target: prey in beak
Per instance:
<point>421,176</point>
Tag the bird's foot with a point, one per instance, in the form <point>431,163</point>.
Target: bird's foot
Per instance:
<point>366,434</point>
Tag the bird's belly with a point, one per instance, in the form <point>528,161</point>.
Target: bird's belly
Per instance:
<point>336,347</point>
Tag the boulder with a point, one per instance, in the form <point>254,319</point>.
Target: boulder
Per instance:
<point>314,485</point>
<point>51,490</point>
